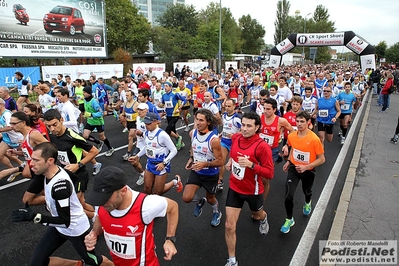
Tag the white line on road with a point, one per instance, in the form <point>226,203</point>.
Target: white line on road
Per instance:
<point>302,251</point>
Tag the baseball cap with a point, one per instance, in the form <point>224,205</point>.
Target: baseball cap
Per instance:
<point>347,73</point>
<point>142,106</point>
<point>109,180</point>
<point>189,78</point>
<point>150,117</point>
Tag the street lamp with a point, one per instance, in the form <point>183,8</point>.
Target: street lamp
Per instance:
<point>220,38</point>
<point>304,31</point>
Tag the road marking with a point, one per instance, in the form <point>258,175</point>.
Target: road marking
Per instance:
<point>302,251</point>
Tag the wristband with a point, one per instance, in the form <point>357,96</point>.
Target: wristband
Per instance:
<point>37,218</point>
<point>253,166</point>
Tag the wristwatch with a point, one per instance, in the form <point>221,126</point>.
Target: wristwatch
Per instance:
<point>37,218</point>
<point>171,238</point>
<point>80,165</point>
<point>165,163</point>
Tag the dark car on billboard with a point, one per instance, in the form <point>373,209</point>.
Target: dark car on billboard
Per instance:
<point>64,18</point>
<point>20,14</point>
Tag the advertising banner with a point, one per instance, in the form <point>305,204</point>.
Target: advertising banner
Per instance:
<point>157,69</point>
<point>367,61</point>
<point>194,66</point>
<point>285,46</point>
<point>357,45</point>
<point>7,78</point>
<point>320,39</point>
<point>52,28</point>
<point>229,64</point>
<point>83,71</point>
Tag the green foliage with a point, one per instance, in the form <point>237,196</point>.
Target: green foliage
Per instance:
<point>126,29</point>
<point>252,35</point>
<point>392,53</point>
<point>380,49</point>
<point>182,17</point>
<point>281,24</point>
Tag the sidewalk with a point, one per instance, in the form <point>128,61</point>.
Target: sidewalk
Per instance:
<point>373,212</point>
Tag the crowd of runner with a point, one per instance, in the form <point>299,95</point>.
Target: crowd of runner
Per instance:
<point>246,121</point>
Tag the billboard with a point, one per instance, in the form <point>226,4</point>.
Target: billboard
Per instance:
<point>194,66</point>
<point>7,78</point>
<point>52,28</point>
<point>157,69</point>
<point>83,71</point>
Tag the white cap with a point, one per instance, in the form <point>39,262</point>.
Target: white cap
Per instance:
<point>142,106</point>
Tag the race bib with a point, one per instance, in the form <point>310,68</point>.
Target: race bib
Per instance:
<point>122,246</point>
<point>168,104</point>
<point>129,116</point>
<point>26,154</point>
<point>63,158</point>
<point>194,96</point>
<point>269,139</point>
<point>150,152</point>
<point>323,113</point>
<point>345,107</point>
<point>309,110</point>
<point>237,170</point>
<point>226,135</point>
<point>302,157</point>
<point>196,159</point>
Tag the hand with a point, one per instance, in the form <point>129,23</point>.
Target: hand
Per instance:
<point>189,164</point>
<point>285,166</point>
<point>228,166</point>
<point>23,214</point>
<point>87,114</point>
<point>90,241</point>
<point>10,152</point>
<point>72,167</point>
<point>160,167</point>
<point>301,168</point>
<point>170,250</point>
<point>244,162</point>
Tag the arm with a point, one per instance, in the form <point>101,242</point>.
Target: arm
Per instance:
<point>220,91</point>
<point>217,152</point>
<point>338,108</point>
<point>172,216</point>
<point>97,108</point>
<point>91,238</point>
<point>285,125</point>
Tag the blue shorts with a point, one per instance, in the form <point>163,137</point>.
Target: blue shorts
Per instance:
<point>275,155</point>
<point>152,168</point>
<point>226,143</point>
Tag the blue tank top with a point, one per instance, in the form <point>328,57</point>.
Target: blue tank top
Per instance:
<point>326,110</point>
<point>202,152</point>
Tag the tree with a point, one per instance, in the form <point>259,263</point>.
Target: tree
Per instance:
<point>392,53</point>
<point>123,57</point>
<point>182,17</point>
<point>281,25</point>
<point>126,29</point>
<point>252,34</point>
<point>380,49</point>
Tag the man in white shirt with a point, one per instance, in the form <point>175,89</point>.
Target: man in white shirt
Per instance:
<point>69,113</point>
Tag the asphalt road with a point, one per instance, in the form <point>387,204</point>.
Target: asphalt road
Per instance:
<point>197,242</point>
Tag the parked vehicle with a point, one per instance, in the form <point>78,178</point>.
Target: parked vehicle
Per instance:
<point>65,19</point>
<point>20,14</point>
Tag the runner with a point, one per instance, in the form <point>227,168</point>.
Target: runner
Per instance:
<point>24,87</point>
<point>129,115</point>
<point>204,162</point>
<point>186,93</point>
<point>347,100</point>
<point>250,161</point>
<point>160,150</point>
<point>119,204</point>
<point>305,152</point>
<point>67,221</point>
<point>231,125</point>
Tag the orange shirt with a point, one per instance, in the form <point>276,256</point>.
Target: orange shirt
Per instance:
<point>194,94</point>
<point>304,149</point>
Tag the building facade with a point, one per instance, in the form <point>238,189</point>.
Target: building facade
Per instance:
<point>151,9</point>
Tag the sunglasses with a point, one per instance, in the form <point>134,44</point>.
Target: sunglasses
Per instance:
<point>326,91</point>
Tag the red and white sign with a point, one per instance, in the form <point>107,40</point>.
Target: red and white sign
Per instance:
<point>157,69</point>
<point>357,45</point>
<point>285,46</point>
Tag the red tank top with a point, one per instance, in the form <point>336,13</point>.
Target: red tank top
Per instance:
<point>291,118</point>
<point>270,133</point>
<point>129,239</point>
<point>243,179</point>
<point>41,127</point>
<point>27,149</point>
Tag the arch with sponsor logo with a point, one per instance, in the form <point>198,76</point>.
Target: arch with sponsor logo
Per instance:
<point>348,39</point>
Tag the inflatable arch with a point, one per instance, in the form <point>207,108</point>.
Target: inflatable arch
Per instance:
<point>347,38</point>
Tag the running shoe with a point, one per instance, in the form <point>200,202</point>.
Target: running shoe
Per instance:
<point>109,152</point>
<point>198,207</point>
<point>188,115</point>
<point>115,113</point>
<point>126,156</point>
<point>287,225</point>
<point>187,129</point>
<point>179,184</point>
<point>394,140</point>
<point>307,208</point>
<point>231,264</point>
<point>179,143</point>
<point>182,122</point>
<point>342,140</point>
<point>263,227</point>
<point>125,130</point>
<point>220,185</point>
<point>97,168</point>
<point>100,146</point>
<point>216,216</point>
<point>13,176</point>
<point>140,181</point>
<point>340,132</point>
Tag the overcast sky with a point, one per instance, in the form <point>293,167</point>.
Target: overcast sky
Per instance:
<point>374,21</point>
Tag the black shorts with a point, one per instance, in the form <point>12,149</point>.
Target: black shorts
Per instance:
<point>209,182</point>
<point>186,107</point>
<point>36,184</point>
<point>100,128</point>
<point>131,125</point>
<point>236,200</point>
<point>328,128</point>
<point>25,96</point>
<point>342,115</point>
<point>82,107</point>
<point>82,180</point>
